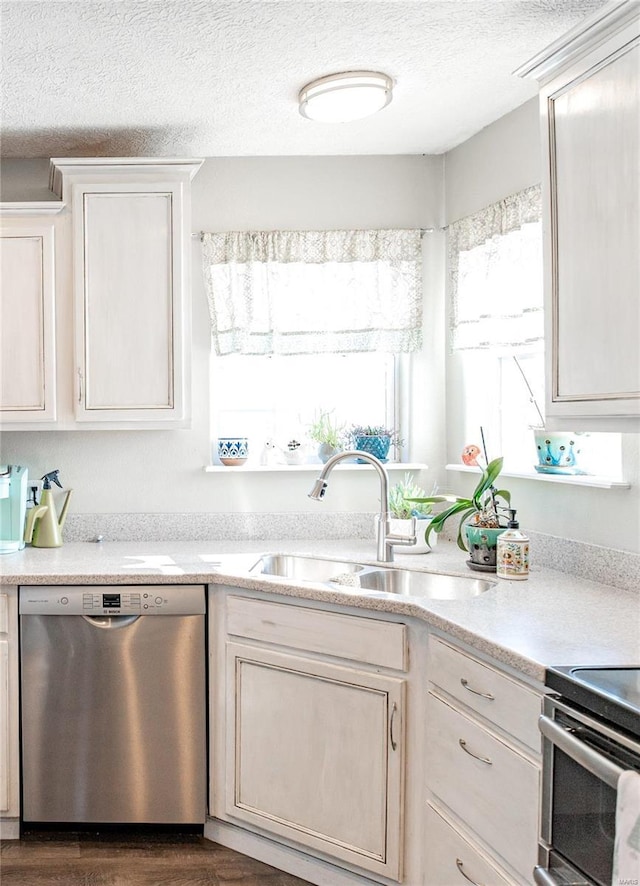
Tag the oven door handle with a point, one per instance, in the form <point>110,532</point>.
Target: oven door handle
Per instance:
<point>596,763</point>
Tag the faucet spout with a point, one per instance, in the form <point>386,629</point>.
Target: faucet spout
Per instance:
<point>384,539</point>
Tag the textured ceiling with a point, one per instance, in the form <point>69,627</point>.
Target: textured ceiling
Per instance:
<point>221,77</point>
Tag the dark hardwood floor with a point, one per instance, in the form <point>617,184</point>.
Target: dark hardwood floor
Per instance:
<point>112,858</point>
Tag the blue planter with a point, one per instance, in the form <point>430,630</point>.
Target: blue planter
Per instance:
<point>558,452</point>
<point>378,446</point>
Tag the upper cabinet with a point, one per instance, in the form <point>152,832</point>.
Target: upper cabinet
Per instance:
<point>590,113</point>
<point>95,310</point>
<point>27,312</point>
<point>130,232</point>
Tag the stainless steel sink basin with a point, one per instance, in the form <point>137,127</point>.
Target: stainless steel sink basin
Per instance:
<point>306,568</point>
<point>428,585</point>
<point>372,579</point>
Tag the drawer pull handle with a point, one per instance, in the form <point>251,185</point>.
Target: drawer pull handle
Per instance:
<point>475,691</point>
<point>394,711</point>
<point>464,747</point>
<point>460,866</point>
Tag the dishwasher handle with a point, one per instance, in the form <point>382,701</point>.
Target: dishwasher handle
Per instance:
<point>110,622</point>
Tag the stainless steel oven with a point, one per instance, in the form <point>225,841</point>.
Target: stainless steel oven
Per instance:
<point>591,735</point>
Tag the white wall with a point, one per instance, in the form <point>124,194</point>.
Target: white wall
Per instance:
<point>162,471</point>
<point>502,159</point>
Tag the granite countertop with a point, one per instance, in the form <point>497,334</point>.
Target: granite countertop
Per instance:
<point>553,618</point>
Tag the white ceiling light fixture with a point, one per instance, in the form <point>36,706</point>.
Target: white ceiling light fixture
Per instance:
<point>340,98</point>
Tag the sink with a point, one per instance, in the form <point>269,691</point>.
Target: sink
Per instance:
<point>376,579</point>
<point>430,585</point>
<point>308,568</point>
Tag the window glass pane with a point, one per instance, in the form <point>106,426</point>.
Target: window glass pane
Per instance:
<point>278,397</point>
<point>518,415</point>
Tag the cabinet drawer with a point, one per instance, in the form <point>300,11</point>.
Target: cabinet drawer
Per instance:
<point>506,703</point>
<point>451,860</point>
<point>344,636</point>
<point>485,782</point>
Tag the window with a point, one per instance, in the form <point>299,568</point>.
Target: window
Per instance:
<point>497,337</point>
<point>278,397</point>
<point>309,322</point>
<point>495,262</point>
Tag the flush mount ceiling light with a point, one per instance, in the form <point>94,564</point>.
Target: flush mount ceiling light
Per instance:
<point>340,98</point>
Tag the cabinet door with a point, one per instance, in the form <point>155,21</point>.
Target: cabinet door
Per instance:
<point>129,302</point>
<point>317,754</point>
<point>27,322</point>
<point>592,116</point>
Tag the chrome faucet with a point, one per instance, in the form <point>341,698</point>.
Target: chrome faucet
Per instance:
<point>384,537</point>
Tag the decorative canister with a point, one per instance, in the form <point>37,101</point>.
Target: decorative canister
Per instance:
<point>512,559</point>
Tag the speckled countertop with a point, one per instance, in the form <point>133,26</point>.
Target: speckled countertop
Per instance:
<point>552,619</point>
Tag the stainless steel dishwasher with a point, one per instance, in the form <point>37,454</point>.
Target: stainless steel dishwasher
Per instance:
<point>113,704</point>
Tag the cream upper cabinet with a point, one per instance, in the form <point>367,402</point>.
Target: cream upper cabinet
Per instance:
<point>590,112</point>
<point>27,313</point>
<point>130,232</point>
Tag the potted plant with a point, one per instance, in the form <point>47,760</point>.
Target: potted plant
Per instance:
<point>558,451</point>
<point>327,434</point>
<point>403,510</point>
<point>482,517</point>
<point>374,439</point>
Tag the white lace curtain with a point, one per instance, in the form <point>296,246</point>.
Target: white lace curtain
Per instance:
<point>495,267</point>
<point>309,292</point>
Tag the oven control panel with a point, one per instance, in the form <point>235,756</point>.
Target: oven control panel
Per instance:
<point>103,600</point>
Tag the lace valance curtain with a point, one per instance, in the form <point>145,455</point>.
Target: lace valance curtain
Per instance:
<point>495,267</point>
<point>303,292</point>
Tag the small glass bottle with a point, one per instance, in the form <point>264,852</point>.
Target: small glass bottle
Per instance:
<point>512,557</point>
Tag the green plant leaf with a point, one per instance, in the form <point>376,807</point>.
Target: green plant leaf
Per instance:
<point>461,537</point>
<point>436,525</point>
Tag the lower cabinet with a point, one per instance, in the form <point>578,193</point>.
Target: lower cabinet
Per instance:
<point>483,771</point>
<point>9,737</point>
<point>315,748</point>
<point>326,727</point>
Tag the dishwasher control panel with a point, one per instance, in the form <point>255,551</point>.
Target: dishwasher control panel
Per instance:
<point>112,600</point>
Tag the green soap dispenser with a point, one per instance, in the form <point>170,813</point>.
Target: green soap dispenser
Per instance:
<point>44,527</point>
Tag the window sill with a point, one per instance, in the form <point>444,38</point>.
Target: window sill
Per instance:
<point>310,468</point>
<point>591,480</point>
